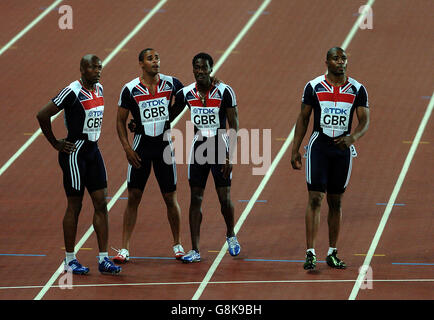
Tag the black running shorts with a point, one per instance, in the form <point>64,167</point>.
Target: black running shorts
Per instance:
<point>208,154</point>
<point>157,153</point>
<point>328,167</point>
<point>83,168</point>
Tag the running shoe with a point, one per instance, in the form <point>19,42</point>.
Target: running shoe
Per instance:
<point>122,257</point>
<point>334,262</point>
<point>191,256</point>
<point>233,246</point>
<point>179,251</point>
<point>310,263</point>
<point>75,267</point>
<point>108,267</point>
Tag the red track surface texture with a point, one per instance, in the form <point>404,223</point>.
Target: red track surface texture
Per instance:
<point>268,69</point>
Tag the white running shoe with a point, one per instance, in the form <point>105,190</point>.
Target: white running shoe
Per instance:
<point>122,257</point>
<point>179,251</point>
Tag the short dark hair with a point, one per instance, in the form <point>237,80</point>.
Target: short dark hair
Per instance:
<point>331,50</point>
<point>142,53</point>
<point>205,56</point>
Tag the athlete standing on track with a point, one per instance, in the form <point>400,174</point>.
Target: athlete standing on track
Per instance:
<point>334,98</point>
<point>211,103</point>
<point>80,158</point>
<point>148,98</point>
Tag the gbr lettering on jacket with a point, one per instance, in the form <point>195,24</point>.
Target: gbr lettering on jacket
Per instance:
<point>205,118</point>
<point>154,110</point>
<point>335,116</point>
<point>93,122</point>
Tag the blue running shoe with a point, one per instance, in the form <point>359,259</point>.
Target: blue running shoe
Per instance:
<point>108,267</point>
<point>191,256</point>
<point>233,246</point>
<point>75,267</point>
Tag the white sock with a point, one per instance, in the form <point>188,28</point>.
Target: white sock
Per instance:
<point>311,250</point>
<point>101,256</point>
<point>331,250</point>
<point>69,256</point>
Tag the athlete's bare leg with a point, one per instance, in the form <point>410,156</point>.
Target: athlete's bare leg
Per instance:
<point>195,216</point>
<point>227,209</point>
<point>70,221</point>
<point>173,215</point>
<point>313,217</point>
<point>100,218</point>
<point>130,215</point>
<point>334,217</point>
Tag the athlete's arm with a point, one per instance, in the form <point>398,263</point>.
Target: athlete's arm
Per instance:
<point>363,125</point>
<point>300,131</point>
<point>132,157</point>
<point>44,118</point>
<point>232,116</point>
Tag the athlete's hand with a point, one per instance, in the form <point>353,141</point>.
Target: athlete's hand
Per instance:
<point>296,161</point>
<point>132,125</point>
<point>133,158</point>
<point>65,146</point>
<point>226,169</point>
<point>344,142</point>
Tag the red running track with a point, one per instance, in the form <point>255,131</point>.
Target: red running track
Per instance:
<point>268,69</point>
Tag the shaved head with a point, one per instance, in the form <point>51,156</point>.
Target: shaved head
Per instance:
<point>331,52</point>
<point>87,60</point>
<point>90,69</point>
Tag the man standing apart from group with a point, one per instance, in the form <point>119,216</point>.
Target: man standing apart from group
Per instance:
<point>80,158</point>
<point>149,98</point>
<point>333,97</point>
<point>211,104</point>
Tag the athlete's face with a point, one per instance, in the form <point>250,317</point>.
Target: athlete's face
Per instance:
<point>202,71</point>
<point>337,62</point>
<point>91,70</point>
<point>151,62</point>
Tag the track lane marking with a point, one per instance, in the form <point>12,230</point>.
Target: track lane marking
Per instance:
<point>232,46</point>
<point>28,27</point>
<point>264,181</point>
<point>112,54</point>
<point>217,282</point>
<point>391,202</point>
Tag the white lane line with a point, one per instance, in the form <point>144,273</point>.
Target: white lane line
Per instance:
<point>21,149</point>
<point>233,45</point>
<point>392,199</point>
<point>2,50</point>
<point>357,24</point>
<point>59,270</point>
<point>252,201</point>
<point>29,26</point>
<point>217,282</point>
<point>270,171</point>
<point>104,63</point>
<point>244,215</point>
<point>134,31</point>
